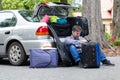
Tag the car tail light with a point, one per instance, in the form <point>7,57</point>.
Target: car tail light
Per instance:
<point>42,30</point>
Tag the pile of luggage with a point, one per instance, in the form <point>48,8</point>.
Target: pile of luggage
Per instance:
<point>42,58</point>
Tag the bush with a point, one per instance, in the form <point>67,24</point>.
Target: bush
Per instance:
<point>108,36</point>
<point>112,40</point>
<point>117,42</point>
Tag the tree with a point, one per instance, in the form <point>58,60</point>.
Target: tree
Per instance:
<point>116,19</point>
<point>92,10</point>
<point>14,4</point>
<point>0,4</point>
<point>26,4</point>
<point>64,1</point>
<point>22,4</point>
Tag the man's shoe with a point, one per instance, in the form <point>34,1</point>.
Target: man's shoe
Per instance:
<point>77,63</point>
<point>80,64</point>
<point>107,63</point>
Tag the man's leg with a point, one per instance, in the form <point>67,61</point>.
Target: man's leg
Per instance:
<point>102,56</point>
<point>104,60</point>
<point>74,53</point>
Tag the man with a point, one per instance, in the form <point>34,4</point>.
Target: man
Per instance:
<point>76,39</point>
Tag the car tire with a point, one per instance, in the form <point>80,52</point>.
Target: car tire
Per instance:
<point>16,54</point>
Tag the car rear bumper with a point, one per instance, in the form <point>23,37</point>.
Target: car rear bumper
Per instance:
<point>28,44</point>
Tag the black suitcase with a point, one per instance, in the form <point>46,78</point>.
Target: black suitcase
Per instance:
<point>90,55</point>
<point>61,30</point>
<point>64,55</point>
<point>82,21</point>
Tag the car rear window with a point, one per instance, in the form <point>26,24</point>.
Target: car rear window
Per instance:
<point>27,14</point>
<point>56,11</point>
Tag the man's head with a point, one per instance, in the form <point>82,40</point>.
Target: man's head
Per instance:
<point>76,30</point>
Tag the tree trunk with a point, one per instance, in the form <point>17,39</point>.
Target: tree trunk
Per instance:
<point>92,10</point>
<point>116,19</point>
<point>0,4</point>
<point>63,1</point>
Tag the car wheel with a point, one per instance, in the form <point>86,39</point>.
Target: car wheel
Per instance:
<point>16,54</point>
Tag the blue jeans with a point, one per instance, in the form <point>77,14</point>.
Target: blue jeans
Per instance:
<point>77,57</point>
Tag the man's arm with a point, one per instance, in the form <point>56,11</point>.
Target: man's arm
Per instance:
<point>70,41</point>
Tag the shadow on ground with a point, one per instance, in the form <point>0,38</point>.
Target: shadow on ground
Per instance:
<point>6,62</point>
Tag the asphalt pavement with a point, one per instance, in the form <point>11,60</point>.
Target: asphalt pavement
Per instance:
<point>9,72</point>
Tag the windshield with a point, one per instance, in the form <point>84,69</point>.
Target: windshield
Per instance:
<point>27,14</point>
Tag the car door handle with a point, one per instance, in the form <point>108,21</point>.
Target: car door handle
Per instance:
<point>7,32</point>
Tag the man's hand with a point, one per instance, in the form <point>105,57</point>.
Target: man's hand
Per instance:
<point>83,41</point>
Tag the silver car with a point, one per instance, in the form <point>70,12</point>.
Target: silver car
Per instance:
<point>19,32</point>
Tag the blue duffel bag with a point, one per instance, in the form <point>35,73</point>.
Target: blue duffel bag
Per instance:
<point>43,58</point>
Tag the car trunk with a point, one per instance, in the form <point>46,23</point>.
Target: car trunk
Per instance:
<point>62,30</point>
<point>58,10</point>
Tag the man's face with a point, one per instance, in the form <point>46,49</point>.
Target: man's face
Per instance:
<point>76,34</point>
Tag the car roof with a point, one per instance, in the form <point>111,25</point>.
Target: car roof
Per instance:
<point>9,10</point>
<point>13,10</point>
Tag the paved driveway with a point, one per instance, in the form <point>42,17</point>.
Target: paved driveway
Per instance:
<point>8,72</point>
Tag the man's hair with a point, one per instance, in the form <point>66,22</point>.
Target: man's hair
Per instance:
<point>76,28</point>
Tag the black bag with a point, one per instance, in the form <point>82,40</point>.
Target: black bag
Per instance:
<point>90,55</point>
<point>81,21</point>
<point>61,49</point>
<point>61,30</point>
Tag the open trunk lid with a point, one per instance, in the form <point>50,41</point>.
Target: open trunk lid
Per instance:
<point>52,9</point>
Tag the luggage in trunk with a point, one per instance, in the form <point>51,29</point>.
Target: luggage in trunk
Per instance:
<point>90,55</point>
<point>62,30</point>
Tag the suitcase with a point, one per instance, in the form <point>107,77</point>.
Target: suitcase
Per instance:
<point>81,21</point>
<point>90,55</point>
<point>43,58</point>
<point>61,30</point>
<point>63,53</point>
